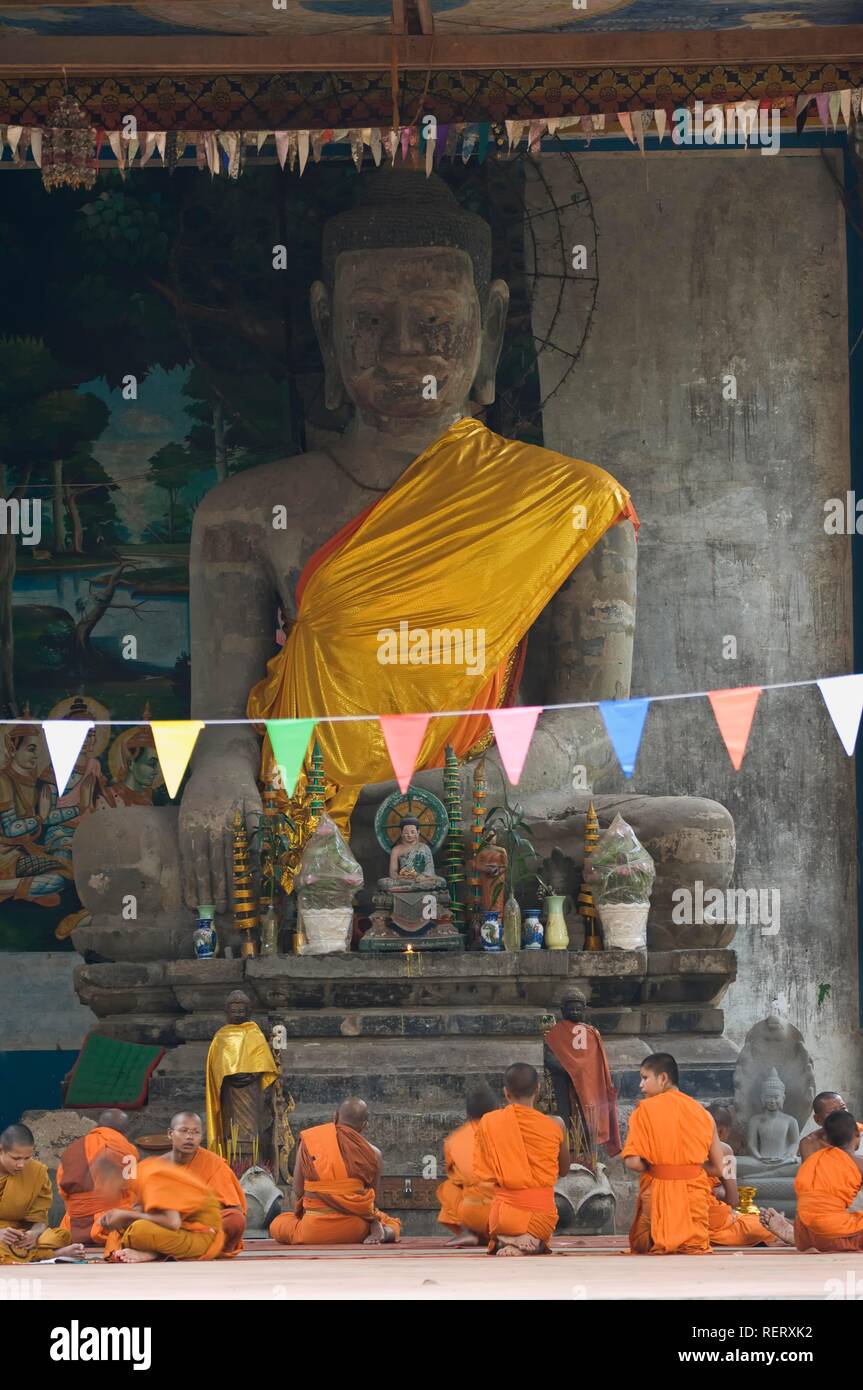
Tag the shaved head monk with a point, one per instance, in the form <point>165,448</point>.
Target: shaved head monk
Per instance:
<point>337,1179</point>
<point>673,1144</point>
<point>175,1216</point>
<point>465,1203</point>
<point>521,1153</point>
<point>25,1199</point>
<point>824,1104</point>
<point>826,1185</point>
<point>76,1174</point>
<point>727,1225</point>
<point>186,1133</point>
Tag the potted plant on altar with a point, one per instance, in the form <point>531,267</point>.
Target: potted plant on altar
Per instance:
<point>620,873</point>
<point>506,827</point>
<point>272,841</point>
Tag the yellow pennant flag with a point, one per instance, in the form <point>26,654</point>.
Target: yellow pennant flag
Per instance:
<point>175,739</point>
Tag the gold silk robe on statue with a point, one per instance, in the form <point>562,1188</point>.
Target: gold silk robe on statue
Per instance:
<point>475,538</point>
<point>25,1199</point>
<point>236,1048</point>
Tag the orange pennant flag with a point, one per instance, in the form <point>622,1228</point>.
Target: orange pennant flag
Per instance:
<point>734,711</point>
<point>174,740</point>
<point>403,735</point>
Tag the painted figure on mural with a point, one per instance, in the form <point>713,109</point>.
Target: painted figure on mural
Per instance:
<point>134,766</point>
<point>27,870</point>
<point>87,788</point>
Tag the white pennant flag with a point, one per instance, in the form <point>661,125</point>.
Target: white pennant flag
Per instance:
<point>843,696</point>
<point>845,105</point>
<point>162,144</point>
<point>65,739</point>
<point>303,139</point>
<point>36,146</point>
<point>661,118</point>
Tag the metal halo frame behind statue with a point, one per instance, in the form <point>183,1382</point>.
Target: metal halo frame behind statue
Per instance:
<point>416,801</point>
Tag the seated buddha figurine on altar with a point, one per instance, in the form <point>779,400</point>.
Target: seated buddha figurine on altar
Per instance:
<point>412,903</point>
<point>412,557</point>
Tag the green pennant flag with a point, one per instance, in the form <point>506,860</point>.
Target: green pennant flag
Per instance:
<point>289,740</point>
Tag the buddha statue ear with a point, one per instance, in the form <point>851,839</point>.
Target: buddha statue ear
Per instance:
<point>492,342</point>
<point>321,304</point>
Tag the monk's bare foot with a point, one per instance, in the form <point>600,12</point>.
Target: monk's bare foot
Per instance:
<point>135,1257</point>
<point>68,1251</point>
<point>778,1225</point>
<point>518,1245</point>
<point>464,1241</point>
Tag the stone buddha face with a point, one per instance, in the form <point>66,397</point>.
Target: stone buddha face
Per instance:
<point>407,330</point>
<point>772,1098</point>
<point>238,1007</point>
<point>403,330</point>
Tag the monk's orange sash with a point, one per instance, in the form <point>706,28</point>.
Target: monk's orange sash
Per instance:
<point>527,1198</point>
<point>675,1172</point>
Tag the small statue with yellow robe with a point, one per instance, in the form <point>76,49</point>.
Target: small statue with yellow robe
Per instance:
<point>241,1091</point>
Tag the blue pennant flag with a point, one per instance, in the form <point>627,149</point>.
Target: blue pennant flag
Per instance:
<point>624,723</point>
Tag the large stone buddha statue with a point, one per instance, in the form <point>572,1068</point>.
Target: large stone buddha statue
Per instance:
<point>413,559</point>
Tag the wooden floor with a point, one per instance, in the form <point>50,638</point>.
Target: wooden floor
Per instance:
<point>425,1270</point>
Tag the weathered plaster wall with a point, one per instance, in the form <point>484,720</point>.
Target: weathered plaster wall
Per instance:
<point>713,263</point>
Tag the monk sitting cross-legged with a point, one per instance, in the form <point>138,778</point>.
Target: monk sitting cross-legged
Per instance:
<point>523,1153</point>
<point>826,1185</point>
<point>337,1178</point>
<point>824,1104</point>
<point>728,1226</point>
<point>25,1197</point>
<point>76,1175</point>
<point>464,1202</point>
<point>176,1216</point>
<point>186,1133</point>
<point>673,1143</point>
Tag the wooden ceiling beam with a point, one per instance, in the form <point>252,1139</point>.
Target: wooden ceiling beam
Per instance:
<point>355,52</point>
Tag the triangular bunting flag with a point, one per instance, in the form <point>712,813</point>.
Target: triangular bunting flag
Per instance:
<point>834,107</point>
<point>845,104</point>
<point>403,735</point>
<point>174,740</point>
<point>289,740</point>
<point>822,101</point>
<point>843,696</point>
<point>661,118</point>
<point>513,731</point>
<point>734,711</point>
<point>65,739</point>
<point>626,125</point>
<point>624,724</point>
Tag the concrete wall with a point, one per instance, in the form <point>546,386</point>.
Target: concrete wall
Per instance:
<point>713,263</point>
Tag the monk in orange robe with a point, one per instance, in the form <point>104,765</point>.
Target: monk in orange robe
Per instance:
<point>176,1216</point>
<point>465,1203</point>
<point>76,1174</point>
<point>337,1178</point>
<point>186,1133</point>
<point>25,1199</point>
<point>673,1143</point>
<point>823,1105</point>
<point>522,1153</point>
<point>826,1185</point>
<point>727,1225</point>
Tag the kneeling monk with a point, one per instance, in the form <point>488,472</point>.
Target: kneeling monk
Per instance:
<point>187,1132</point>
<point>673,1143</point>
<point>728,1226</point>
<point>522,1153</point>
<point>336,1186</point>
<point>827,1183</point>
<point>464,1202</point>
<point>76,1177</point>
<point>25,1197</point>
<point>176,1216</point>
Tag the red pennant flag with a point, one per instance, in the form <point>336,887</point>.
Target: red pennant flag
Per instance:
<point>513,731</point>
<point>403,735</point>
<point>734,711</point>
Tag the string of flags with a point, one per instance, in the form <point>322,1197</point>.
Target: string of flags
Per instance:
<point>424,144</point>
<point>624,720</point>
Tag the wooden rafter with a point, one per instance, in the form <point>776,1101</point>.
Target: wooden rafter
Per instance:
<point>356,52</point>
